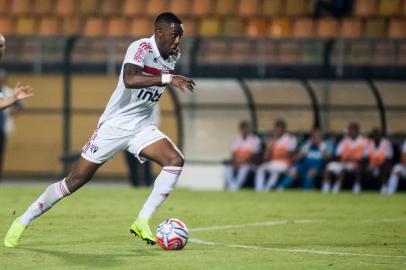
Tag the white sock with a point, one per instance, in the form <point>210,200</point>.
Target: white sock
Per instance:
<point>163,186</point>
<point>337,187</point>
<point>384,189</point>
<point>356,188</point>
<point>326,187</point>
<point>51,196</point>
<point>393,183</point>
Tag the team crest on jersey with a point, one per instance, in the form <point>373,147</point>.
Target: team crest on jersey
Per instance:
<point>94,148</point>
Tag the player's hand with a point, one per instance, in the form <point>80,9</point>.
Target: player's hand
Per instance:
<point>183,83</point>
<point>22,91</point>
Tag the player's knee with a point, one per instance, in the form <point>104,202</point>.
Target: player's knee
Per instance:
<point>74,182</point>
<point>175,160</point>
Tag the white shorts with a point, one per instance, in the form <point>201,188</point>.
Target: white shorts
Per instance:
<point>400,169</point>
<point>337,167</point>
<point>275,166</point>
<point>107,140</point>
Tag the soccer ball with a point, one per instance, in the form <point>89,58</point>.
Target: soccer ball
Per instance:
<point>172,234</point>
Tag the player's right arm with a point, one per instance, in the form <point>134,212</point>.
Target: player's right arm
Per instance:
<point>134,78</point>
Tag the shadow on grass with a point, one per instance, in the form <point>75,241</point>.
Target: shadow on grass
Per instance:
<point>99,260</point>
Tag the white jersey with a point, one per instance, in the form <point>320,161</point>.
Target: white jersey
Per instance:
<point>133,109</point>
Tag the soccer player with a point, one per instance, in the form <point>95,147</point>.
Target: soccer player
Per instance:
<point>380,153</point>
<point>311,160</point>
<point>245,147</point>
<point>20,91</point>
<point>399,170</point>
<point>128,124</point>
<point>278,156</point>
<point>352,151</point>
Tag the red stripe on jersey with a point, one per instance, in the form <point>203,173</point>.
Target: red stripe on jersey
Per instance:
<point>154,71</point>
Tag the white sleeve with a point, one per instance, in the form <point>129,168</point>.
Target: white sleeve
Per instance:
<point>305,148</point>
<point>339,148</point>
<point>366,149</point>
<point>257,147</point>
<point>234,145</point>
<point>292,143</point>
<point>404,147</point>
<point>136,53</point>
<point>389,150</point>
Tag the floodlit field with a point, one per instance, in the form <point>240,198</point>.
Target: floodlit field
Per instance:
<point>242,230</point>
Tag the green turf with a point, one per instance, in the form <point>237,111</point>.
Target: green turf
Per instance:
<point>89,230</point>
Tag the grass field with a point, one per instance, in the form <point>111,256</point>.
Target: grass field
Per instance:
<point>291,230</point>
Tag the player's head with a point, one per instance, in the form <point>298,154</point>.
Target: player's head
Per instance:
<point>2,45</point>
<point>317,136</point>
<point>245,128</point>
<point>353,129</point>
<point>376,134</point>
<point>279,127</point>
<point>168,32</point>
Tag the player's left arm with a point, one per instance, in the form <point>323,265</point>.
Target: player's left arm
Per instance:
<point>20,92</point>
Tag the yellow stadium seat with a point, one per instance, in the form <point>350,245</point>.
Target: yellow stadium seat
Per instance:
<point>70,25</point>
<point>280,27</point>
<point>94,26</point>
<point>303,28</point>
<point>375,27</point>
<point>327,28</point>
<point>155,7</point>
<point>365,8</point>
<point>110,7</point>
<point>117,27</point>
<point>20,7</point>
<point>190,27</point>
<point>248,8</point>
<point>141,27</point>
<point>43,6</point>
<point>4,6</point>
<point>209,27</point>
<point>25,26</point>
<point>65,7</point>
<point>48,26</point>
<point>389,7</point>
<point>133,7</point>
<point>351,28</point>
<point>88,7</point>
<point>273,7</point>
<point>233,27</point>
<point>202,7</point>
<point>6,25</point>
<point>295,7</point>
<point>397,28</point>
<point>180,7</point>
<point>225,7</point>
<point>257,28</point>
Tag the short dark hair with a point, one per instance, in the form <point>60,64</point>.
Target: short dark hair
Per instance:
<point>167,17</point>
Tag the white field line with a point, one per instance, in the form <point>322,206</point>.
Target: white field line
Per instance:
<point>258,224</point>
<point>311,251</point>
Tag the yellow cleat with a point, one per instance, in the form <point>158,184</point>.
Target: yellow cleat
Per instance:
<point>141,229</point>
<point>14,234</point>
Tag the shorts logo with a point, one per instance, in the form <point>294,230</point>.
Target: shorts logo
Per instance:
<point>94,148</point>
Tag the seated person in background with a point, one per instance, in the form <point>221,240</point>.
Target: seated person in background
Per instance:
<point>352,152</point>
<point>380,153</point>
<point>311,159</point>
<point>278,156</point>
<point>399,170</point>
<point>244,148</point>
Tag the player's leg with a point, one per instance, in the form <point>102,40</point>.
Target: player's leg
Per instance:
<point>260,177</point>
<point>241,177</point>
<point>290,177</point>
<point>81,173</point>
<point>397,171</point>
<point>229,175</point>
<point>276,168</point>
<point>170,159</point>
<point>333,168</point>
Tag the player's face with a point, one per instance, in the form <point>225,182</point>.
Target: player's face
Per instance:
<point>353,131</point>
<point>317,137</point>
<point>171,35</point>
<point>2,46</point>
